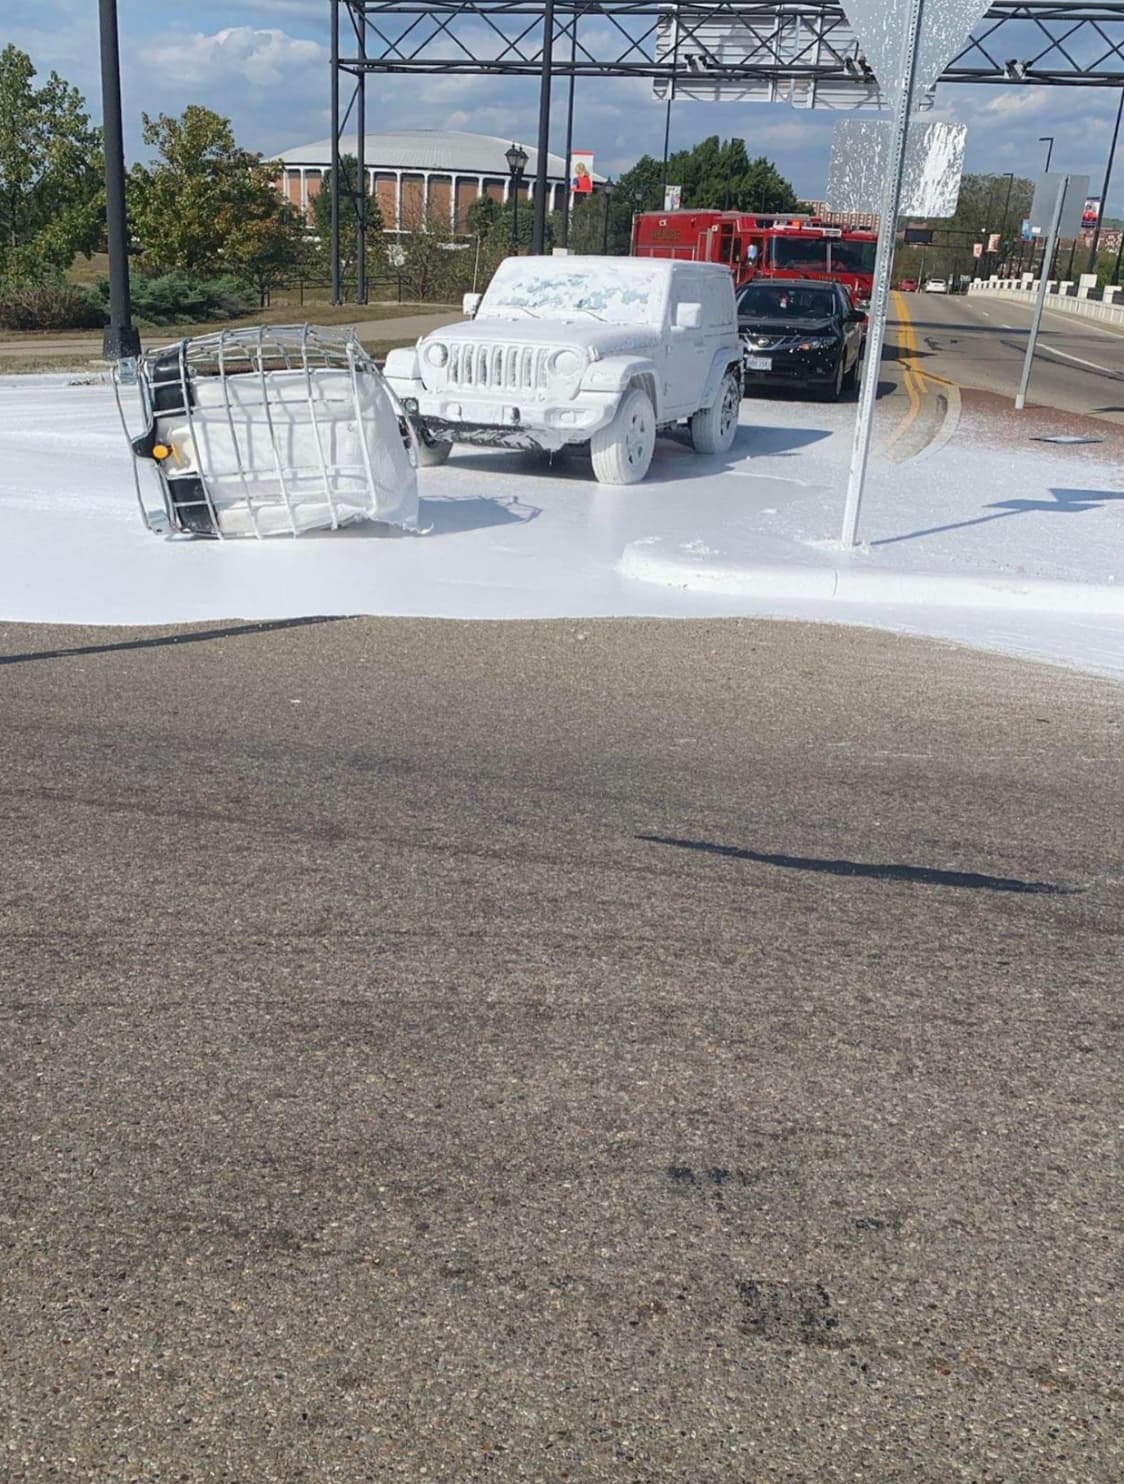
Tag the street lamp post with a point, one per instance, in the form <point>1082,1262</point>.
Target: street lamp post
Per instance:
<point>121,341</point>
<point>1010,174</point>
<point>1092,268</point>
<point>1049,140</point>
<point>608,190</point>
<point>516,157</point>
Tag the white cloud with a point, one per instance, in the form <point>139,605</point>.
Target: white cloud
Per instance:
<point>263,59</point>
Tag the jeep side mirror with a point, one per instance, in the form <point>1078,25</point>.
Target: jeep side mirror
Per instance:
<point>470,304</point>
<point>688,316</point>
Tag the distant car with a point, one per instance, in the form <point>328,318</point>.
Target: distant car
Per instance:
<point>936,286</point>
<point>907,286</point>
<point>800,332</point>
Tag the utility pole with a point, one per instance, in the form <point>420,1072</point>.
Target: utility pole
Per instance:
<point>121,342</point>
<point>1104,188</point>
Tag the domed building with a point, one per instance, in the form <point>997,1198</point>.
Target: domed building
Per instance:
<point>418,173</point>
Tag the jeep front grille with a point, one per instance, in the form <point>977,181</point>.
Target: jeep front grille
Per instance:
<point>508,368</point>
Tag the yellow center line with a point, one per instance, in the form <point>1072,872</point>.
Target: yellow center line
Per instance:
<point>911,377</point>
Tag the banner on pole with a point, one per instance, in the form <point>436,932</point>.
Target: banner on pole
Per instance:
<point>672,198</point>
<point>1091,214</point>
<point>581,172</point>
<point>993,242</point>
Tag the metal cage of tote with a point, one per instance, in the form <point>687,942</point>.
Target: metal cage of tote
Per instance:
<point>272,431</point>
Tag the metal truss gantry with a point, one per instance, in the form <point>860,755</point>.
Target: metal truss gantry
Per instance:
<point>798,44</point>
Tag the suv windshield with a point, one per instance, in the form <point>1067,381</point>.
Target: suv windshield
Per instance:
<point>621,293</point>
<point>782,301</point>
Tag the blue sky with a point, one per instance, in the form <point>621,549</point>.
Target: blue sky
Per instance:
<point>263,63</point>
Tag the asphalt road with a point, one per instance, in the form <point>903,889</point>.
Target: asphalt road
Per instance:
<point>980,342</point>
<point>610,1051</point>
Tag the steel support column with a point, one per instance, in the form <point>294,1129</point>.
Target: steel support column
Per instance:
<point>542,163</point>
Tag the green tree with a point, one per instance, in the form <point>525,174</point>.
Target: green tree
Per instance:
<point>208,206</point>
<point>320,256</point>
<point>982,210</point>
<point>266,244</point>
<point>51,197</point>
<point>436,265</point>
<point>716,174</point>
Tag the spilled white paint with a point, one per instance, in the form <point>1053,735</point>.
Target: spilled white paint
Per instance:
<point>514,536</point>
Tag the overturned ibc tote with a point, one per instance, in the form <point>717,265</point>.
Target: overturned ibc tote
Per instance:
<point>272,431</point>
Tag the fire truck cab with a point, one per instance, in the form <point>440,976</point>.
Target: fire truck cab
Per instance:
<point>753,245</point>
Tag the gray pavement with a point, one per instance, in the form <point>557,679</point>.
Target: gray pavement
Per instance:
<point>978,341</point>
<point>620,1051</point>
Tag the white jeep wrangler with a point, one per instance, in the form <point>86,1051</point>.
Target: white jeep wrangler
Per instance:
<point>593,350</point>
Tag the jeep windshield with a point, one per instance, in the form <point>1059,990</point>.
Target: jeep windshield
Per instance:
<point>624,292</point>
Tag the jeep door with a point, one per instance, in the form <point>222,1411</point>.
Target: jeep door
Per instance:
<point>686,345</point>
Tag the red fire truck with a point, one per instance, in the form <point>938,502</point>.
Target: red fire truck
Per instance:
<point>758,245</point>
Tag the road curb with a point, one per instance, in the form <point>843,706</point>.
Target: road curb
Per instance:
<point>949,423</point>
<point>655,561</point>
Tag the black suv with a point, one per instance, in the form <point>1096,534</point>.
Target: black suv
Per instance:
<point>802,333</point>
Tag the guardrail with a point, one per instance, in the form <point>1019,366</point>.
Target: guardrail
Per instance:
<point>1079,298</point>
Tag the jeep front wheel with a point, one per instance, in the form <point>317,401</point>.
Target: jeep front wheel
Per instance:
<point>623,450</point>
<point>714,428</point>
<point>431,453</point>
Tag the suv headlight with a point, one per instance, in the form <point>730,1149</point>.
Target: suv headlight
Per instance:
<point>436,354</point>
<point>566,362</point>
<point>818,342</point>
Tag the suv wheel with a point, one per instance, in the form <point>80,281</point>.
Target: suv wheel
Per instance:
<point>430,452</point>
<point>622,451</point>
<point>834,388</point>
<point>714,429</point>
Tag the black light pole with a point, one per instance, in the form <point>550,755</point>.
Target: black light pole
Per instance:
<point>1010,174</point>
<point>516,157</point>
<point>121,341</point>
<point>1047,139</point>
<point>337,274</point>
<point>1104,189</point>
<point>608,189</point>
<point>567,195</point>
<point>542,164</point>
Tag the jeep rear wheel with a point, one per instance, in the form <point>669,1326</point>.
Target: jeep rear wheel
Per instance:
<point>622,451</point>
<point>714,429</point>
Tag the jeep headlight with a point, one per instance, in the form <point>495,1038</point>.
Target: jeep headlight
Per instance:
<point>566,362</point>
<point>436,354</point>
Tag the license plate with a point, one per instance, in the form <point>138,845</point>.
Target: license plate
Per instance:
<point>759,363</point>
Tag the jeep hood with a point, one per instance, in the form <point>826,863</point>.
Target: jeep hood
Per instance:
<point>582,332</point>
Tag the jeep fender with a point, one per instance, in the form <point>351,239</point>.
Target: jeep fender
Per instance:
<point>403,365</point>
<point>615,374</point>
<point>725,360</point>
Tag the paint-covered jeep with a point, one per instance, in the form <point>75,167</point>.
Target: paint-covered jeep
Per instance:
<point>570,350</point>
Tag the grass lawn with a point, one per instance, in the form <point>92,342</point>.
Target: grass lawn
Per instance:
<point>84,360</point>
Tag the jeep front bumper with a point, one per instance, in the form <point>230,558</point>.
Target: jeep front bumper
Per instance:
<point>449,417</point>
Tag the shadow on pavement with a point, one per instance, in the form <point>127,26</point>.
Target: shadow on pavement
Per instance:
<point>446,515</point>
<point>168,641</point>
<point>920,875</point>
<point>1065,502</point>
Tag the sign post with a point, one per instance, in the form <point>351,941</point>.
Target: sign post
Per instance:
<point>883,265</point>
<point>907,57</point>
<point>1061,196</point>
